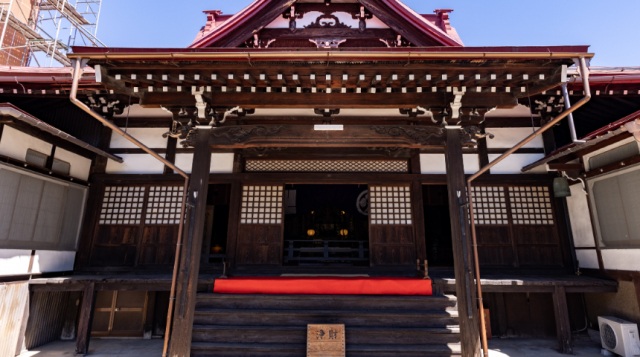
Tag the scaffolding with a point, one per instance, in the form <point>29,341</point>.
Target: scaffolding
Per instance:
<point>41,32</point>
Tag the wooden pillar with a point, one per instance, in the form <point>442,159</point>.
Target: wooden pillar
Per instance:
<point>461,242</point>
<point>86,316</point>
<point>563,327</point>
<point>187,282</point>
<point>417,208</point>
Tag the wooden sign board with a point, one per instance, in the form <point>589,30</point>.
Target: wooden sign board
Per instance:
<point>325,341</point>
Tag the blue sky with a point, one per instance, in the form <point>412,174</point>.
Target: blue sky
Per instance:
<point>610,27</point>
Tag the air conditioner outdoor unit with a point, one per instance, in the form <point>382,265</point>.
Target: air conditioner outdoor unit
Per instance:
<point>619,336</point>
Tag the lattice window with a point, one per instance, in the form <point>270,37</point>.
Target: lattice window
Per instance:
<point>164,205</point>
<point>122,205</point>
<point>261,205</point>
<point>390,205</point>
<point>490,205</point>
<point>395,166</point>
<point>530,205</point>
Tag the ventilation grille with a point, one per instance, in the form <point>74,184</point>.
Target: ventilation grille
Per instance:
<point>261,205</point>
<point>390,205</point>
<point>122,205</point>
<point>523,205</point>
<point>393,166</point>
<point>490,205</point>
<point>531,205</point>
<point>164,205</point>
<point>125,205</point>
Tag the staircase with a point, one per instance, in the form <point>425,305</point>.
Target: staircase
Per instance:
<point>276,325</point>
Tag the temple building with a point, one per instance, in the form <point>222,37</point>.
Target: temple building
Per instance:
<point>318,163</point>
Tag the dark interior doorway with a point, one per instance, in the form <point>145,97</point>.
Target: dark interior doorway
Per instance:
<point>217,224</point>
<point>437,226</point>
<point>323,225</point>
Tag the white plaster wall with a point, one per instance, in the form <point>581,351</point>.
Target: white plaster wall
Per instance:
<point>221,163</point>
<point>48,261</point>
<point>432,164</point>
<point>14,261</point>
<point>135,164</point>
<point>150,137</point>
<point>513,164</point>
<point>436,164</point>
<point>15,143</point>
<point>80,165</point>
<point>471,163</point>
<point>621,259</point>
<point>580,218</point>
<point>587,258</point>
<point>506,138</point>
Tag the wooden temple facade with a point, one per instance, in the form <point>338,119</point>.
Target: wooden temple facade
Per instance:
<point>299,138</point>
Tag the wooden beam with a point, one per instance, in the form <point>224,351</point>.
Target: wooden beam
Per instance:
<point>352,136</point>
<point>462,248</point>
<point>85,319</point>
<point>187,286</point>
<point>333,100</point>
<point>563,326</point>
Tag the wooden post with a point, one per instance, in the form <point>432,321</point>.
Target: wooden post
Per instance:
<point>86,315</point>
<point>187,282</point>
<point>462,249</point>
<point>563,327</point>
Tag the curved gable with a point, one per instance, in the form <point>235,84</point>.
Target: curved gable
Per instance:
<point>254,26</point>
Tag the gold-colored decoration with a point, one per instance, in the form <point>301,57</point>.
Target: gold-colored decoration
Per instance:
<point>311,232</point>
<point>343,232</point>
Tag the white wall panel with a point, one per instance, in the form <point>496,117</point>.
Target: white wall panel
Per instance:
<point>48,261</point>
<point>621,259</point>
<point>506,138</point>
<point>80,165</point>
<point>150,137</point>
<point>580,218</point>
<point>221,163</point>
<point>513,164</point>
<point>15,143</point>
<point>587,258</point>
<point>432,164</point>
<point>471,163</point>
<point>14,261</point>
<point>135,164</point>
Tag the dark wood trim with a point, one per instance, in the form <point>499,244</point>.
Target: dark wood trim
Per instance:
<point>614,167</point>
<point>548,138</point>
<point>418,221</point>
<point>460,237</point>
<point>180,342</point>
<point>234,221</point>
<point>483,150</point>
<point>85,318</point>
<point>89,225</point>
<point>172,144</point>
<point>563,325</point>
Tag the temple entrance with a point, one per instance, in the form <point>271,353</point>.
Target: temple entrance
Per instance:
<point>325,226</point>
<point>437,226</point>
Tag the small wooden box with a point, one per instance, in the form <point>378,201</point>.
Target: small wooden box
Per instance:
<point>326,340</point>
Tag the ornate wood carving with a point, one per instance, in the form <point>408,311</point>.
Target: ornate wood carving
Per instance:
<point>239,134</point>
<point>327,21</point>
<point>420,134</point>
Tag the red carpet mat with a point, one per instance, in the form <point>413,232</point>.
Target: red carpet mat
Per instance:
<point>323,286</point>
